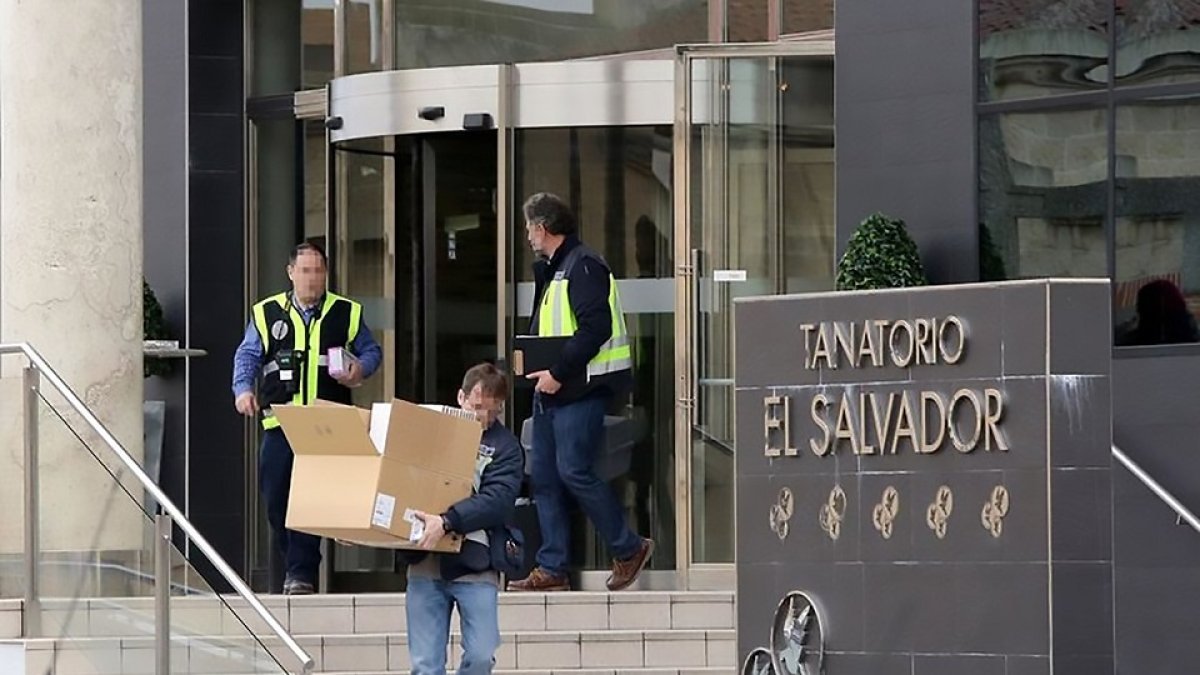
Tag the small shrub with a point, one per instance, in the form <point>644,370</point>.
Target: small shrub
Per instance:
<point>154,327</point>
<point>881,254</point>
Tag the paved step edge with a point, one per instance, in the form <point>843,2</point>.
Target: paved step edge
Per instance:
<point>348,599</point>
<point>574,671</point>
<point>508,637</point>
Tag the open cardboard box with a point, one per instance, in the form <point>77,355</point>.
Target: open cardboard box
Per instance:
<point>346,486</point>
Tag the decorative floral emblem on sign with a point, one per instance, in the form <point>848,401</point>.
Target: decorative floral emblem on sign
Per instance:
<point>781,513</point>
<point>938,515</point>
<point>833,511</point>
<point>994,511</point>
<point>886,511</point>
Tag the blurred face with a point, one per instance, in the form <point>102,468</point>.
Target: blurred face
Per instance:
<point>486,408</point>
<point>308,277</point>
<point>536,234</point>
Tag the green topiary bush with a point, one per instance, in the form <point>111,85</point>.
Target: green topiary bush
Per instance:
<point>880,255</point>
<point>154,327</point>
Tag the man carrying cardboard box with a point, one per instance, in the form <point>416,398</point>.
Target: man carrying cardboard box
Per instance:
<point>286,349</point>
<point>469,579</point>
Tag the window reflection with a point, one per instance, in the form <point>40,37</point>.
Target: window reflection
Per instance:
<point>1032,48</point>
<point>364,36</point>
<point>275,29</point>
<point>1157,295</point>
<point>1162,317</point>
<point>746,20</point>
<point>1158,41</point>
<point>316,34</point>
<point>315,159</point>
<point>1043,200</point>
<point>806,132</point>
<point>806,16</point>
<point>431,33</point>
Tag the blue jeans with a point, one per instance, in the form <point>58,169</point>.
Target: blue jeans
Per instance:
<point>566,440</point>
<point>428,604</point>
<point>301,551</point>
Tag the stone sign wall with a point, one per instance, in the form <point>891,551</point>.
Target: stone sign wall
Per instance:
<point>923,481</point>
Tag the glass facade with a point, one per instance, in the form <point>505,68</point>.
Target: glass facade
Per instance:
<point>1158,42</point>
<point>275,49</point>
<point>363,51</point>
<point>806,16</point>
<point>1033,48</point>
<point>748,20</point>
<point>1042,196</point>
<point>431,33</point>
<point>1157,224</point>
<point>316,43</point>
<point>1099,184</point>
<point>806,135</point>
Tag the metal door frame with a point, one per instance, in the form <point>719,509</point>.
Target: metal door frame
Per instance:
<point>692,575</point>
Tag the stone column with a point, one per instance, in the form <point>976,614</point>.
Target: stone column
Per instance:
<point>71,256</point>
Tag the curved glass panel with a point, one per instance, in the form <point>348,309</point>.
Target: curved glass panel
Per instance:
<point>1034,48</point>
<point>431,33</point>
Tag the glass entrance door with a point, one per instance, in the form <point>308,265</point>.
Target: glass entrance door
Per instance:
<point>617,179</point>
<point>417,233</point>
<point>754,216</point>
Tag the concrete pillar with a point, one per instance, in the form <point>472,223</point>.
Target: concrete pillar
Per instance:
<point>71,254</point>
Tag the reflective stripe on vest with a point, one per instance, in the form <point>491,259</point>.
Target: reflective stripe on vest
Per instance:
<point>556,319</point>
<point>314,357</point>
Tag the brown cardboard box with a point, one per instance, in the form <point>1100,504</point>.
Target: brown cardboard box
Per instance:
<point>346,486</point>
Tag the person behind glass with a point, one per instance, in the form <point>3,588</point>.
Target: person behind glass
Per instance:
<point>577,297</point>
<point>1162,317</point>
<point>286,348</point>
<point>439,582</point>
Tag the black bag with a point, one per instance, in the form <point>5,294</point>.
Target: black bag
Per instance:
<point>508,551</point>
<point>524,524</point>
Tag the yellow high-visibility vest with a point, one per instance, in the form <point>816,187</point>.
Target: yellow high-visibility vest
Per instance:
<point>557,319</point>
<point>337,325</point>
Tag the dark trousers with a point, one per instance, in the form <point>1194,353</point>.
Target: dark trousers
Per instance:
<point>301,552</point>
<point>566,440</point>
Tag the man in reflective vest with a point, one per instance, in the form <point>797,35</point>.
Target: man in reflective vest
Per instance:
<point>286,349</point>
<point>578,298</point>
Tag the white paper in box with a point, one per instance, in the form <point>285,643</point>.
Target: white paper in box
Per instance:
<point>381,419</point>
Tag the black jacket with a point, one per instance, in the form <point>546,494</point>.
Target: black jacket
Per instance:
<point>588,294</point>
<point>489,509</point>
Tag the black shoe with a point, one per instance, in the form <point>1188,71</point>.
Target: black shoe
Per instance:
<point>298,587</point>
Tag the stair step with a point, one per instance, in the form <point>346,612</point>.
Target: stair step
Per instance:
<point>579,671</point>
<point>370,614</point>
<point>554,650</point>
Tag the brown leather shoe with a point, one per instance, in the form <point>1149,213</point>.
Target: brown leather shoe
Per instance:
<point>625,572</point>
<point>539,580</point>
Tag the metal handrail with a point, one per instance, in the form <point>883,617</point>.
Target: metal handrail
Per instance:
<point>1159,491</point>
<point>222,567</point>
